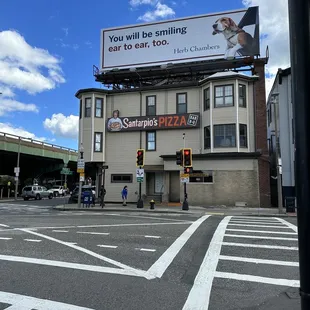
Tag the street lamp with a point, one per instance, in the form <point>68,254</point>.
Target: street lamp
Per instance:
<point>80,180</point>
<point>275,101</point>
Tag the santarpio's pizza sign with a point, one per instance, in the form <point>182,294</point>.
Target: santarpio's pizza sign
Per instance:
<point>157,122</point>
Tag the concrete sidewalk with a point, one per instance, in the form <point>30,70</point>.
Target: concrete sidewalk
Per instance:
<point>178,210</point>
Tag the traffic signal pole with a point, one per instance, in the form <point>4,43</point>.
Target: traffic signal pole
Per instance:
<point>185,202</point>
<point>299,22</point>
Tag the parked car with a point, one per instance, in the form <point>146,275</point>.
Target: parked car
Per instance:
<point>36,191</point>
<point>85,188</point>
<point>57,190</point>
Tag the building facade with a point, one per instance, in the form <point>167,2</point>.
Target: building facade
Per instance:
<point>282,110</point>
<point>222,118</point>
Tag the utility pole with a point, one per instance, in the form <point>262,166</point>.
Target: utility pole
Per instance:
<point>17,170</point>
<point>275,103</point>
<point>185,202</point>
<point>299,22</point>
<point>80,178</point>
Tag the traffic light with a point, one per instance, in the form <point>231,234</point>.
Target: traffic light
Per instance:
<point>140,157</point>
<point>179,156</point>
<point>187,158</point>
<point>188,170</point>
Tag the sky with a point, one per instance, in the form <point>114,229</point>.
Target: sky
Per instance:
<point>48,49</point>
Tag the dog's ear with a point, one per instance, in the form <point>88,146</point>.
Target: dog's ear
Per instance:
<point>232,24</point>
<point>214,33</point>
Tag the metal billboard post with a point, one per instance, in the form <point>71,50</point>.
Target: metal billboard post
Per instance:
<point>300,65</point>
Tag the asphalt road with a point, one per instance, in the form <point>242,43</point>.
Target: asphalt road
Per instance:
<point>128,260</point>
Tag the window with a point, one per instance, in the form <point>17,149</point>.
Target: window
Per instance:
<point>242,96</point>
<point>151,141</point>
<point>243,135</point>
<point>206,95</point>
<point>207,138</point>
<point>87,107</point>
<point>98,107</point>
<point>121,178</point>
<point>199,176</point>
<point>81,109</point>
<point>224,96</point>
<point>151,105</point>
<point>182,103</point>
<point>98,141</point>
<point>225,135</point>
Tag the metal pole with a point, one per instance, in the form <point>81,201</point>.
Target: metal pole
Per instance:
<point>140,201</point>
<point>80,184</point>
<point>300,65</point>
<point>17,176</point>
<point>103,184</point>
<point>185,202</point>
<point>279,177</point>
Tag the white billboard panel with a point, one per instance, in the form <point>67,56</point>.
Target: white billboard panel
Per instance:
<point>214,36</point>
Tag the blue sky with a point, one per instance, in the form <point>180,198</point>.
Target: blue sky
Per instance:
<point>48,48</point>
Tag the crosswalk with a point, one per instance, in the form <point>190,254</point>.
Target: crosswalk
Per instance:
<point>8,208</point>
<point>261,250</point>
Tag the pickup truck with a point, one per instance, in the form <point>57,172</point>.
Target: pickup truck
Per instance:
<point>58,190</point>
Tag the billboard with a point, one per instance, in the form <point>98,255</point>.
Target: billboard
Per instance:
<point>215,36</point>
<point>156,122</point>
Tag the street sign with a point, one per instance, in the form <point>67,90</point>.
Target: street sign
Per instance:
<point>105,167</point>
<point>184,178</point>
<point>82,177</point>
<point>81,164</point>
<point>66,171</point>
<point>139,180</point>
<point>140,173</point>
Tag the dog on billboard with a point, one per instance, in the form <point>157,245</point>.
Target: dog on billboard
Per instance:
<point>237,39</point>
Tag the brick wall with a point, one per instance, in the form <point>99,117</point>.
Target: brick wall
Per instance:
<point>228,188</point>
<point>261,134</point>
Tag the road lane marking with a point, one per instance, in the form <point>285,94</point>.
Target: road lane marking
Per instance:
<point>92,233</point>
<point>255,225</point>
<point>251,217</point>
<point>91,253</point>
<point>60,231</point>
<point>146,250</point>
<point>25,302</point>
<point>61,264</point>
<point>154,237</point>
<point>199,295</point>
<point>33,240</point>
<point>5,238</point>
<point>290,225</point>
<point>254,222</point>
<point>108,225</point>
<point>135,224</point>
<point>262,231</point>
<point>261,246</point>
<point>3,225</point>
<point>259,261</point>
<point>107,246</point>
<point>261,237</point>
<point>160,266</point>
<point>151,218</point>
<point>250,278</point>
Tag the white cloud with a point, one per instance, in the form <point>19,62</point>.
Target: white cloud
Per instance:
<point>22,65</point>
<point>19,131</point>
<point>161,11</point>
<point>275,35</point>
<point>141,2</point>
<point>63,126</point>
<point>9,105</point>
<point>66,31</point>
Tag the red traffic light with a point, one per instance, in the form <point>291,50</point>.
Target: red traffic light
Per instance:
<point>139,153</point>
<point>186,152</point>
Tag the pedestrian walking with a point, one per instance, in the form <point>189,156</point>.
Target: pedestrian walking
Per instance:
<point>124,195</point>
<point>102,194</point>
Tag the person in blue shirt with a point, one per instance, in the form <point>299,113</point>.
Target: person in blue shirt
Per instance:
<point>124,195</point>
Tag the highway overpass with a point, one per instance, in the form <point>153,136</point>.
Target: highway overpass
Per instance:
<point>38,159</point>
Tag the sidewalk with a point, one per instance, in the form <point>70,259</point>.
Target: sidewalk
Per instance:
<point>178,210</point>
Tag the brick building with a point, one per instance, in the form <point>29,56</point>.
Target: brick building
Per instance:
<point>223,117</point>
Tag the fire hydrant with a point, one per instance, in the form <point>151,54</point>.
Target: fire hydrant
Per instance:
<point>152,204</point>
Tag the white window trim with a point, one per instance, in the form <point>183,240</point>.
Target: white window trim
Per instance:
<point>92,129</point>
<point>211,118</point>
